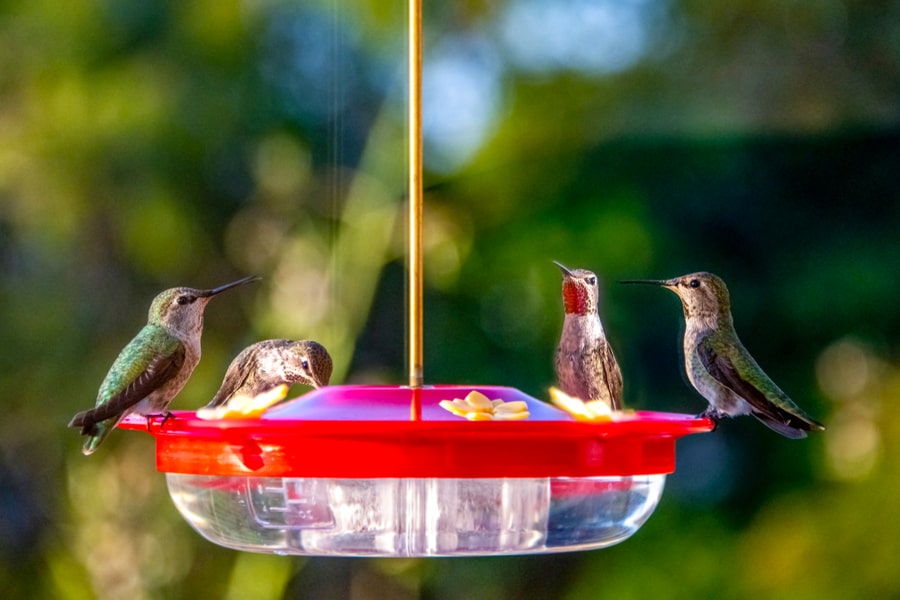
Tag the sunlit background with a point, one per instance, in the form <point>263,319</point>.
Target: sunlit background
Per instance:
<point>148,145</point>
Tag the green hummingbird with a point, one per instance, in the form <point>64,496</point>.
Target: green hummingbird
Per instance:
<point>585,364</point>
<point>154,366</point>
<point>718,365</point>
<point>266,365</point>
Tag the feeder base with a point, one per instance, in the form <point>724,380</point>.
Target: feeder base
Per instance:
<point>405,517</point>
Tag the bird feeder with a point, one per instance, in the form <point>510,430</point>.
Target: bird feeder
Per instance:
<point>387,471</point>
<point>390,471</point>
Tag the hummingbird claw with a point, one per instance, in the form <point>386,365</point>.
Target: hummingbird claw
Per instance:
<point>166,415</point>
<point>713,415</point>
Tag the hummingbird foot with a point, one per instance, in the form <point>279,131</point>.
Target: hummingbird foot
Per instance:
<point>166,416</point>
<point>713,415</point>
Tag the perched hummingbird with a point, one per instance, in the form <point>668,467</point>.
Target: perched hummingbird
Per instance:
<point>718,365</point>
<point>271,363</point>
<point>585,364</point>
<point>154,366</point>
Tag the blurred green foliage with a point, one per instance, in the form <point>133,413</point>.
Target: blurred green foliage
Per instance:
<point>147,145</point>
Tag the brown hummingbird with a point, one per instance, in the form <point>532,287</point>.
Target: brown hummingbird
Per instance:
<point>718,365</point>
<point>154,366</point>
<point>585,364</point>
<point>271,363</point>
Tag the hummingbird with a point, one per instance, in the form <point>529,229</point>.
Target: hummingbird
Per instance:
<point>266,365</point>
<point>585,364</point>
<point>718,365</point>
<point>154,366</point>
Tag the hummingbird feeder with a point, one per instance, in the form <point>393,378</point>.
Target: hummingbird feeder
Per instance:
<point>397,471</point>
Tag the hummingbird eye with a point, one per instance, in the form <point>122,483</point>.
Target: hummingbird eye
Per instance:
<point>186,300</point>
<point>695,283</point>
<point>591,280</point>
<point>305,364</point>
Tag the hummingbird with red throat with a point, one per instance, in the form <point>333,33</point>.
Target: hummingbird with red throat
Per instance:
<point>718,365</point>
<point>585,364</point>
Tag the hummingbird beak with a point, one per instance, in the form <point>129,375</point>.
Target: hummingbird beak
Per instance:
<point>563,268</point>
<point>227,286</point>
<point>666,283</point>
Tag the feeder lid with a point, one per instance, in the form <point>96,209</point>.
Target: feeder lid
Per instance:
<point>397,431</point>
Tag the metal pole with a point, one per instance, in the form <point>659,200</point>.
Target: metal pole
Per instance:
<point>414,291</point>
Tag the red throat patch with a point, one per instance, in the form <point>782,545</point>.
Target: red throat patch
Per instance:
<point>574,298</point>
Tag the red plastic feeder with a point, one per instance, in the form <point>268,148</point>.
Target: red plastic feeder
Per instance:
<point>387,471</point>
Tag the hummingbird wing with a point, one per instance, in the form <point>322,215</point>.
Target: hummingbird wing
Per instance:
<point>613,376</point>
<point>239,371</point>
<point>149,369</point>
<point>769,404</point>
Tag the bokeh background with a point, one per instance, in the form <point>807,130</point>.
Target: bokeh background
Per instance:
<point>147,145</point>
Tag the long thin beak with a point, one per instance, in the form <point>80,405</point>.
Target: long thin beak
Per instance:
<point>563,268</point>
<point>667,283</point>
<point>227,286</point>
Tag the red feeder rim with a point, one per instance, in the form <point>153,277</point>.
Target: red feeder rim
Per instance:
<point>397,431</point>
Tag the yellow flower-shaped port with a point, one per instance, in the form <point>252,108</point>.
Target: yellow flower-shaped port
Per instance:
<point>477,407</point>
<point>594,411</point>
<point>244,407</point>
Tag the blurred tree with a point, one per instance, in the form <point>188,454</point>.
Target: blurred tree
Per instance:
<point>145,145</point>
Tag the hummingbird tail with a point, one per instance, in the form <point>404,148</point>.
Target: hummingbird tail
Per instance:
<point>96,435</point>
<point>96,431</point>
<point>793,427</point>
<point>83,421</point>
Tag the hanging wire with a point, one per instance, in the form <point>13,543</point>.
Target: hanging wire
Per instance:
<point>414,292</point>
<point>336,159</point>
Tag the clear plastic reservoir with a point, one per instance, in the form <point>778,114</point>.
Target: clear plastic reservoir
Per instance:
<point>415,516</point>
